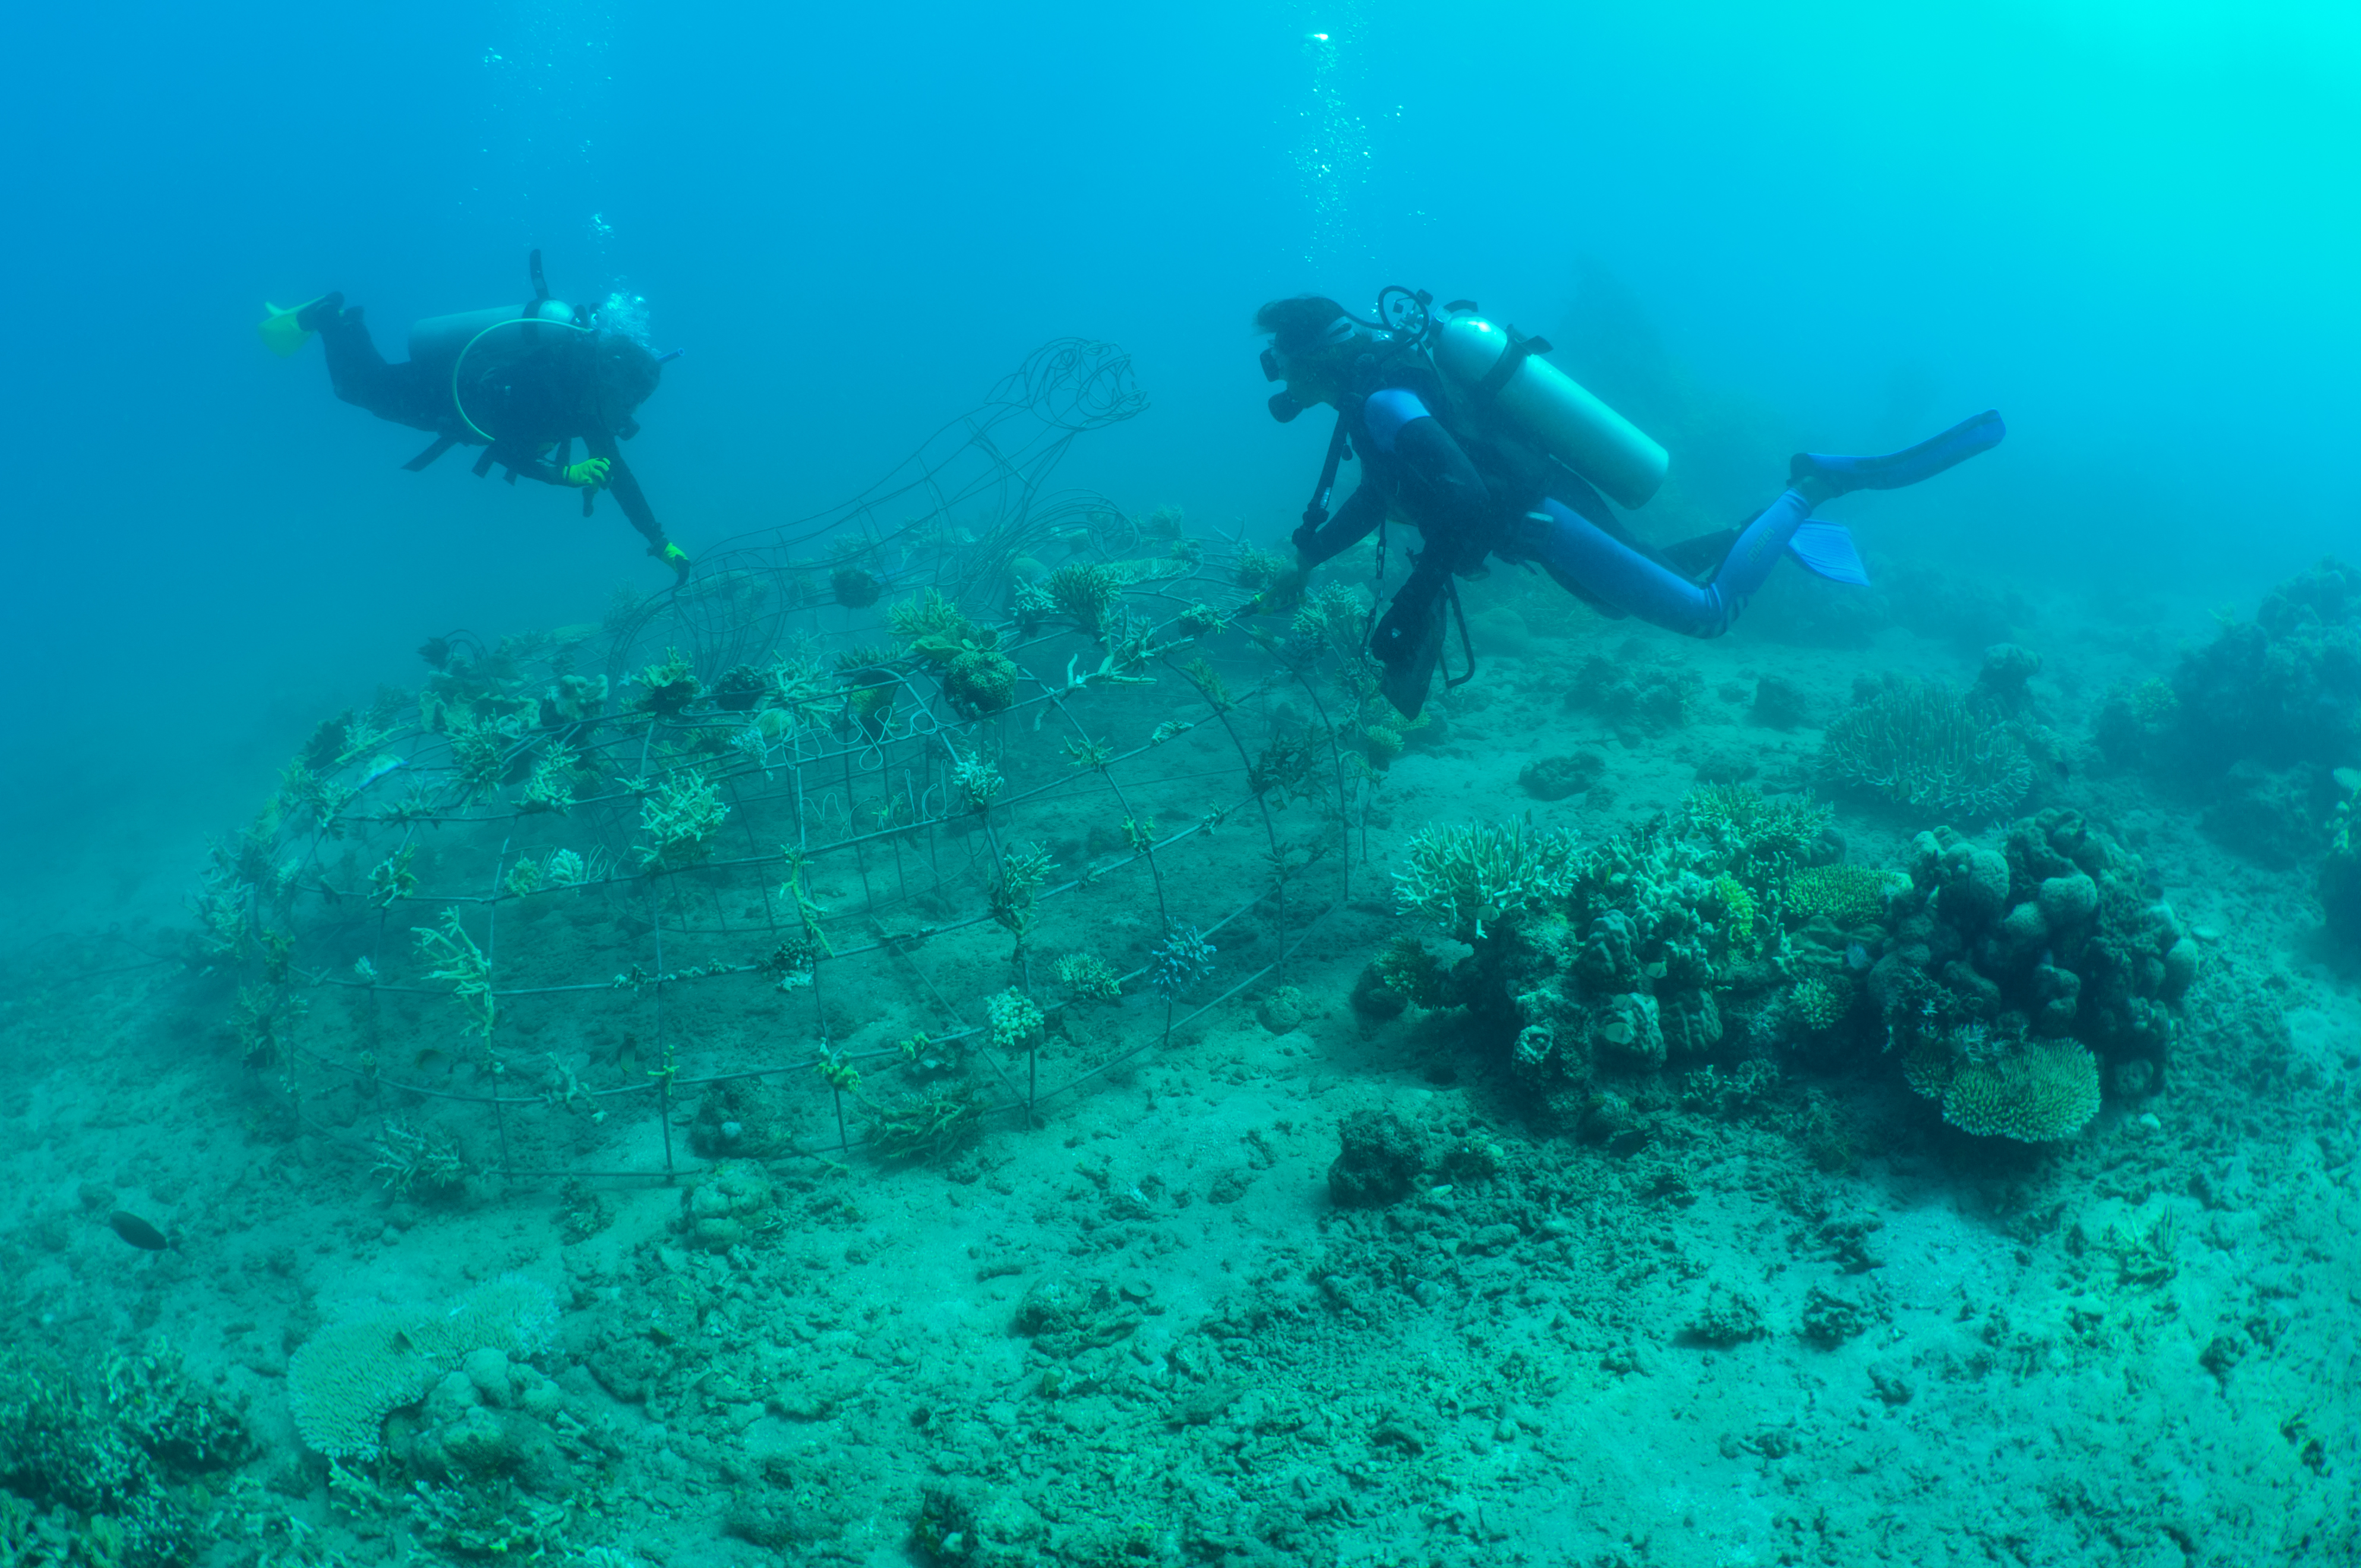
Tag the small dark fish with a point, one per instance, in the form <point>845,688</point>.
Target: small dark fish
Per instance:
<point>138,1232</point>
<point>2065,769</point>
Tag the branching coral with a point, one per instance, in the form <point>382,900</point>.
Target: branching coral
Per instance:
<point>1183,959</point>
<point>1468,878</point>
<point>1846,896</point>
<point>1759,840</point>
<point>1624,955</point>
<point>551,787</point>
<point>412,1163</point>
<point>929,1124</point>
<point>1017,888</point>
<point>1016,1023</point>
<point>1919,745</point>
<point>1084,594</point>
<point>932,626</point>
<point>459,960</point>
<point>977,782</point>
<point>1089,978</point>
<point>976,677</point>
<point>679,817</point>
<point>108,1460</point>
<point>480,750</point>
<point>1822,1001</point>
<point>666,688</point>
<point>2038,1092</point>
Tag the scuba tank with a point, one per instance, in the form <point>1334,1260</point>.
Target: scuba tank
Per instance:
<point>483,357</point>
<point>1500,367</point>
<point>438,341</point>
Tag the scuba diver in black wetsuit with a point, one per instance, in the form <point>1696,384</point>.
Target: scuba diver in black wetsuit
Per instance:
<point>523,382</point>
<point>1463,431</point>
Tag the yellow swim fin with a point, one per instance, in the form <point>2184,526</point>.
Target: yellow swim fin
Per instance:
<point>281,333</point>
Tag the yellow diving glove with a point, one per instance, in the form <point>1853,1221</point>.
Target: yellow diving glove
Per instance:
<point>590,473</point>
<point>677,559</point>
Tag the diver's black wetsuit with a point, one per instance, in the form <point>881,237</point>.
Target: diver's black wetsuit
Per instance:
<point>542,394</point>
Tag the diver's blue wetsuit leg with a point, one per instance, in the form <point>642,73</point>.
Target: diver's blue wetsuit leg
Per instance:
<point>1584,559</point>
<point>1589,561</point>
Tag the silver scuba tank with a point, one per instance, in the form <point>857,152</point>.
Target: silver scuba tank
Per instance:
<point>1548,407</point>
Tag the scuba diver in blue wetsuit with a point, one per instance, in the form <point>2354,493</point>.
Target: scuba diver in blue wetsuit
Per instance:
<point>1488,449</point>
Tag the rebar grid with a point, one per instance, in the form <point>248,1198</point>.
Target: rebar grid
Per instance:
<point>776,831</point>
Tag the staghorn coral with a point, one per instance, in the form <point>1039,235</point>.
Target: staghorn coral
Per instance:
<point>976,780</point>
<point>412,1163</point>
<point>459,960</point>
<point>1466,877</point>
<point>1089,978</point>
<point>679,817</point>
<point>1919,745</point>
<point>1184,959</point>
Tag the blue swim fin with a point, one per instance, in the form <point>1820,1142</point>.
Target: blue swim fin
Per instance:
<point>1826,549</point>
<point>1893,470</point>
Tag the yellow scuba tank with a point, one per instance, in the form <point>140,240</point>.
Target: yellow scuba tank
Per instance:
<point>1547,406</point>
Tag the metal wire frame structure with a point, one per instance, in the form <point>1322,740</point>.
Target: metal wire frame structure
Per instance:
<point>473,929</point>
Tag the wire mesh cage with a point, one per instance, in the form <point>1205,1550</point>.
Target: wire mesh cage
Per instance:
<point>917,814</point>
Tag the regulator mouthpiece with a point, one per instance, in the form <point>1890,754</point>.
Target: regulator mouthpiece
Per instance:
<point>1284,406</point>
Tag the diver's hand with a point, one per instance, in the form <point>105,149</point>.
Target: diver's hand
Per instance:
<point>673,555</point>
<point>1304,539</point>
<point>590,473</point>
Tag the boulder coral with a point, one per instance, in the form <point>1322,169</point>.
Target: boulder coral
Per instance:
<point>1999,960</point>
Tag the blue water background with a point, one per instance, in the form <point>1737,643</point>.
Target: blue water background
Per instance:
<point>2132,228</point>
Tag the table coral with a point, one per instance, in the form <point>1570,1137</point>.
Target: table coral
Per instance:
<point>2038,1094</point>
<point>1919,745</point>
